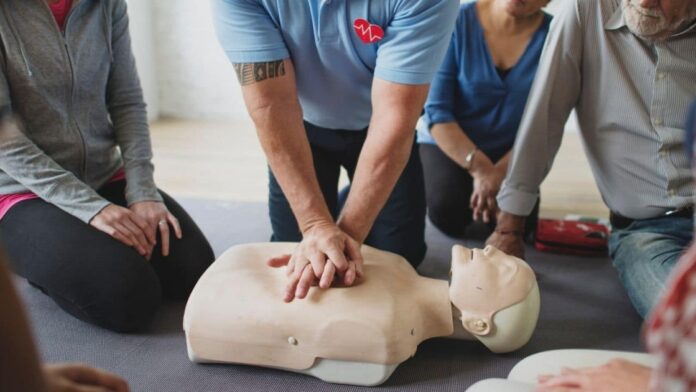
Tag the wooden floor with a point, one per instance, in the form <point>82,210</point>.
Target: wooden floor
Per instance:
<point>224,161</point>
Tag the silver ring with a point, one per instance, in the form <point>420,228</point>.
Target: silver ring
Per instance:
<point>162,222</point>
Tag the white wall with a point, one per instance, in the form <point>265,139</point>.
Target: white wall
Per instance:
<point>140,14</point>
<point>195,78</point>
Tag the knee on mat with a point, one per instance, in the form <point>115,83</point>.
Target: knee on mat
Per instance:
<point>639,248</point>
<point>129,305</point>
<point>644,263</point>
<point>446,219</point>
<point>177,285</point>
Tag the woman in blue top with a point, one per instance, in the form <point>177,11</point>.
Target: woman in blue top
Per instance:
<point>475,106</point>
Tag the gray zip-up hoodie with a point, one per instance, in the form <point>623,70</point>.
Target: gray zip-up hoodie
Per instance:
<point>78,95</point>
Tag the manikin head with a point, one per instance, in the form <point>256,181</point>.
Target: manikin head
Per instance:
<point>657,20</point>
<point>497,296</point>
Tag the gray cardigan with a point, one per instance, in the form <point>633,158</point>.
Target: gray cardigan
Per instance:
<point>79,99</point>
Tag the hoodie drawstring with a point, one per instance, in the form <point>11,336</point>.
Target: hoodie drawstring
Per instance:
<point>13,29</point>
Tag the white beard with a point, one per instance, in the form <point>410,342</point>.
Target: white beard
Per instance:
<point>651,24</point>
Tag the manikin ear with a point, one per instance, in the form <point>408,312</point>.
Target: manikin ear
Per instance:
<point>477,325</point>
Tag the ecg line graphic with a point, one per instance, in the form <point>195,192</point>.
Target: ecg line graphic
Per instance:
<point>367,30</point>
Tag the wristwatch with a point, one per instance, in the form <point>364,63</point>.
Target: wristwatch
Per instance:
<point>469,160</point>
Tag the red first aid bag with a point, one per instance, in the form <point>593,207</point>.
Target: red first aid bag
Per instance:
<point>571,237</point>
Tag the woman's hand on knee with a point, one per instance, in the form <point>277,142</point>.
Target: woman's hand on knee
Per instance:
<point>158,218</point>
<point>77,377</point>
<point>125,226</point>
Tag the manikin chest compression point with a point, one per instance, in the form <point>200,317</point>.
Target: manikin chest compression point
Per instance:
<point>354,335</point>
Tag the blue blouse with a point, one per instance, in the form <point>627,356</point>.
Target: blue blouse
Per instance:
<point>468,89</point>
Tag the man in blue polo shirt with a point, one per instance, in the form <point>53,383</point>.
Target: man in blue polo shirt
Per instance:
<point>331,84</point>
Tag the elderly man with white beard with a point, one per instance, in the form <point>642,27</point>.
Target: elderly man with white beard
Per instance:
<point>628,68</point>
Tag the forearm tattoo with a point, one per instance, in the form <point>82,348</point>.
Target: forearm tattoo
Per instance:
<point>249,73</point>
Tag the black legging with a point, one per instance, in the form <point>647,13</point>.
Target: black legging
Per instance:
<point>448,189</point>
<point>95,277</point>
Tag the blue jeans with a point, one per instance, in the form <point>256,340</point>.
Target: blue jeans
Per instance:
<point>644,254</point>
<point>399,227</point>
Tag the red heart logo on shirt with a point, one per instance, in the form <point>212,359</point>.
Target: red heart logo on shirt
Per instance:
<point>369,33</point>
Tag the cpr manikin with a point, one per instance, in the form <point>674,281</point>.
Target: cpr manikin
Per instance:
<point>356,335</point>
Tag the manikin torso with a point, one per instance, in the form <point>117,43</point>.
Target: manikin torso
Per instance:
<point>236,313</point>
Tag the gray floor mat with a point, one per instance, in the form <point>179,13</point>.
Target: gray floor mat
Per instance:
<point>583,306</point>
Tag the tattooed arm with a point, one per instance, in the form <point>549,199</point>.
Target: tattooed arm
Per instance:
<point>270,94</point>
<point>249,73</point>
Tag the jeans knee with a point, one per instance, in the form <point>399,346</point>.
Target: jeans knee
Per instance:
<point>644,262</point>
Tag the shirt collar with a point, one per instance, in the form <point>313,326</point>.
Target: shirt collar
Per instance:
<point>616,21</point>
<point>689,30</point>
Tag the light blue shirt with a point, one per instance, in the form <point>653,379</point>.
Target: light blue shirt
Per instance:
<point>334,67</point>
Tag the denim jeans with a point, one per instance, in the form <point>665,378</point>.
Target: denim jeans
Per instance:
<point>644,254</point>
<point>400,225</point>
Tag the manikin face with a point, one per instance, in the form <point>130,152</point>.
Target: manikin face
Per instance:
<point>657,20</point>
<point>523,8</point>
<point>495,269</point>
<point>485,282</point>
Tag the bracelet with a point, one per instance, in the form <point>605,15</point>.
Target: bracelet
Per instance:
<point>510,232</point>
<point>469,159</point>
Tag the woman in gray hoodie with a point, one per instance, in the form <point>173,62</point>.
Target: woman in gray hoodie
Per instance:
<point>79,210</point>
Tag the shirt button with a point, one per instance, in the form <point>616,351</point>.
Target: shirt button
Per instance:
<point>671,192</point>
<point>658,121</point>
<point>661,75</point>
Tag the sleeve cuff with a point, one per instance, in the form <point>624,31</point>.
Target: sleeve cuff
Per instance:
<point>140,184</point>
<point>258,56</point>
<point>403,77</point>
<point>86,211</point>
<point>516,202</point>
<point>439,117</point>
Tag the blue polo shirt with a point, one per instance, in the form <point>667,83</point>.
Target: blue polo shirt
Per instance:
<point>470,91</point>
<point>334,67</point>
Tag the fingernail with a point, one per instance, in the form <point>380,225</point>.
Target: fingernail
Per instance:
<point>350,277</point>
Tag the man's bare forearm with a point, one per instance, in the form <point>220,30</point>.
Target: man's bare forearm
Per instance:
<point>381,163</point>
<point>384,156</point>
<point>510,224</point>
<point>271,98</point>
